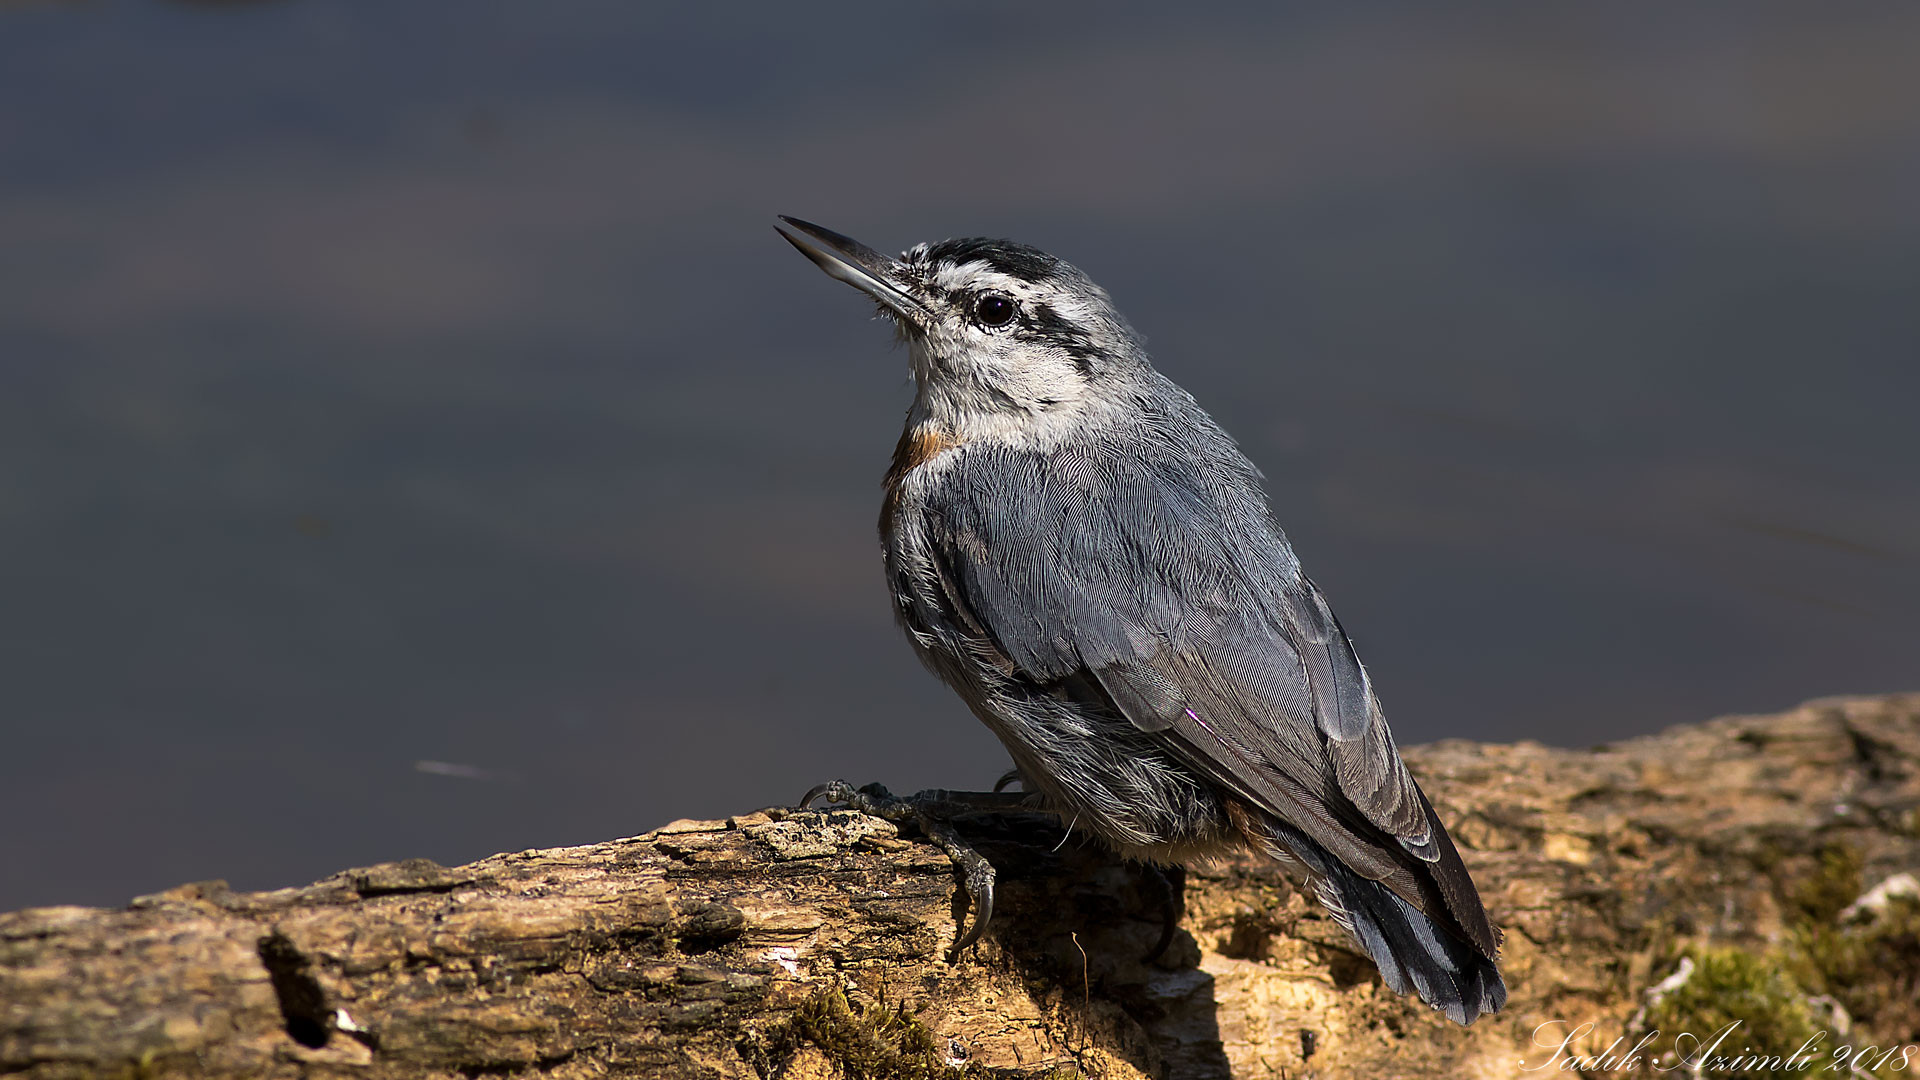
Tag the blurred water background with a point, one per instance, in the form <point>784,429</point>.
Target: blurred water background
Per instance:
<point>415,441</point>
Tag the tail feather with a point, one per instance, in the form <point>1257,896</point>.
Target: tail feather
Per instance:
<point>1414,954</point>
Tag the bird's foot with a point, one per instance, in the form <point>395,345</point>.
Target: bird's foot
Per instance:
<point>933,812</point>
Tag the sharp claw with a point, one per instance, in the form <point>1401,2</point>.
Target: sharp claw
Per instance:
<point>928,809</point>
<point>1011,776</point>
<point>977,877</point>
<point>981,893</point>
<point>836,788</point>
<point>1171,897</point>
<point>1166,939</point>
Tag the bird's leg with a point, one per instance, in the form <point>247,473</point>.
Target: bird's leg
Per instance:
<point>931,811</point>
<point>955,803</point>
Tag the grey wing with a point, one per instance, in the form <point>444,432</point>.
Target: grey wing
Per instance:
<point>1173,591</point>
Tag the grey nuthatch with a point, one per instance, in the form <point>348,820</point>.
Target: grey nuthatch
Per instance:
<point>1079,551</point>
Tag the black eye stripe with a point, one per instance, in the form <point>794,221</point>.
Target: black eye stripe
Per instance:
<point>1045,323</point>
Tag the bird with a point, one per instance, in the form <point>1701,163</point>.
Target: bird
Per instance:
<point>1086,557</point>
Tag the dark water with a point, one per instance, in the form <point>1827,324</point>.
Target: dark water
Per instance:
<point>414,440</point>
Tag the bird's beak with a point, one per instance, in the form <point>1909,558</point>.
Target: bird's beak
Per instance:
<point>856,264</point>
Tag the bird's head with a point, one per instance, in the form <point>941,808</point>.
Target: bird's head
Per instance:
<point>1003,336</point>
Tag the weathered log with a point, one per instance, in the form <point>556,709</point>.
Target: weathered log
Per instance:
<point>812,944</point>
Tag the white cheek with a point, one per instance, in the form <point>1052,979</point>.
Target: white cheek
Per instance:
<point>1047,376</point>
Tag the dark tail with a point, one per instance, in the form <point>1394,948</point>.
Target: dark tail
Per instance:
<point>1414,953</point>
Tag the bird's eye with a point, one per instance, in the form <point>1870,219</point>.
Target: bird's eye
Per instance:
<point>993,309</point>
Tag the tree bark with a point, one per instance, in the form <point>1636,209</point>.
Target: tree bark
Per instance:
<point>812,944</point>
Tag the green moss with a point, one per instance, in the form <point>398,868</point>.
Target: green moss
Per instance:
<point>1821,896</point>
<point>1733,986</point>
<point>1872,969</point>
<point>872,1043</point>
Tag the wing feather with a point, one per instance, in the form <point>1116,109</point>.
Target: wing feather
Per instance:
<point>1165,581</point>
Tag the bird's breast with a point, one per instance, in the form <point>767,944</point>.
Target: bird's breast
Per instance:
<point>919,445</point>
